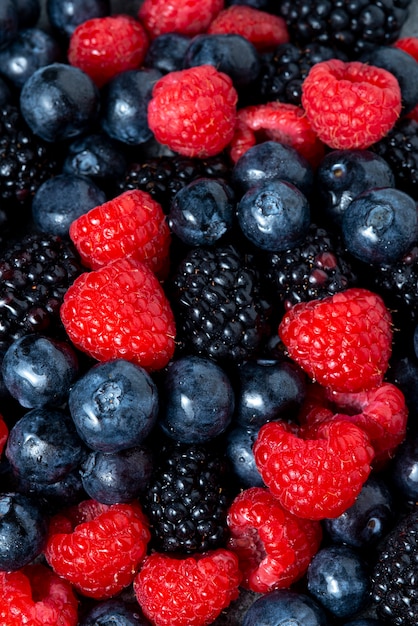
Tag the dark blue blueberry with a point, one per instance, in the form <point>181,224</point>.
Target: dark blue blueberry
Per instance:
<point>5,92</point>
<point>31,49</point>
<point>239,451</point>
<point>23,530</point>
<point>166,52</point>
<point>202,212</point>
<point>367,520</point>
<point>96,156</point>
<point>43,446</point>
<point>125,104</point>
<point>198,400</point>
<point>65,492</point>
<point>272,160</point>
<point>65,15</point>
<point>285,608</point>
<point>9,21</point>
<point>274,215</point>
<point>404,374</point>
<point>404,468</point>
<point>28,12</point>
<point>416,341</point>
<point>344,174</point>
<point>262,5</point>
<point>59,102</point>
<point>231,54</point>
<point>62,199</point>
<point>114,613</point>
<point>114,406</point>
<point>366,621</point>
<point>380,225</point>
<point>39,371</point>
<point>338,579</point>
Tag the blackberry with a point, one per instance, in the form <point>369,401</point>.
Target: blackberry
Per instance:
<point>219,305</point>
<point>352,26</point>
<point>35,273</point>
<point>187,499</point>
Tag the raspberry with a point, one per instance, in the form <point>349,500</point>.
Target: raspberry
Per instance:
<point>343,341</point>
<point>273,546</point>
<point>120,311</point>
<point>193,111</point>
<point>350,105</point>
<point>187,17</point>
<point>4,433</point>
<point>314,478</point>
<point>263,30</point>
<point>187,592</point>
<point>97,547</point>
<point>105,46</point>
<point>132,224</point>
<point>36,596</point>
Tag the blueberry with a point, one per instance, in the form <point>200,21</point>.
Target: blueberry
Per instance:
<point>59,102</point>
<point>166,52</point>
<point>404,468</point>
<point>239,451</point>
<point>338,579</point>
<point>125,104</point>
<point>96,156</point>
<point>111,477</point>
<point>380,225</point>
<point>114,612</point>
<point>199,400</point>
<point>283,607</point>
<point>5,93</point>
<point>65,15</point>
<point>62,199</point>
<point>344,174</point>
<point>274,215</point>
<point>114,405</point>
<point>43,446</point>
<point>271,160</point>
<point>404,374</point>
<point>202,212</point>
<point>9,21</point>
<point>39,371</point>
<point>64,492</point>
<point>28,12</point>
<point>364,622</point>
<point>23,530</point>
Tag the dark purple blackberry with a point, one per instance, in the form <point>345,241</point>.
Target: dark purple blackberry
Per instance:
<point>35,273</point>
<point>352,26</point>
<point>220,308</point>
<point>187,499</point>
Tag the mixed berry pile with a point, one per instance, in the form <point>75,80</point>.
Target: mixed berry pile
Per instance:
<point>208,313</point>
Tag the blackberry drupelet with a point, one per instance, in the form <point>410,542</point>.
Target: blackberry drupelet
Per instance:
<point>187,499</point>
<point>35,273</point>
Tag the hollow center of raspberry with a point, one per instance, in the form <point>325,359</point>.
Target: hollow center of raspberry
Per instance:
<point>108,397</point>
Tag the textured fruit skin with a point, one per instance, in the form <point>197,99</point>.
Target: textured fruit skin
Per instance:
<point>193,111</point>
<point>96,547</point>
<point>314,478</point>
<point>187,592</point>
<point>36,596</point>
<point>132,224</point>
<point>350,104</point>
<point>274,547</point>
<point>137,326</point>
<point>343,342</point>
<point>187,17</point>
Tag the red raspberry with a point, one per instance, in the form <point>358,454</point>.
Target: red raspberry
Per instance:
<point>314,478</point>
<point>263,30</point>
<point>4,433</point>
<point>188,591</point>
<point>132,224</point>
<point>97,547</point>
<point>273,546</point>
<point>343,342</point>
<point>105,46</point>
<point>120,311</point>
<point>350,105</point>
<point>36,596</point>
<point>193,111</point>
<point>188,17</point>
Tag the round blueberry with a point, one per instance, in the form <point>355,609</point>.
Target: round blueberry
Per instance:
<point>65,15</point>
<point>114,612</point>
<point>274,215</point>
<point>96,156</point>
<point>9,21</point>
<point>239,450</point>
<point>166,52</point>
<point>404,468</point>
<point>283,607</point>
<point>198,400</point>
<point>59,102</point>
<point>380,225</point>
<point>366,621</point>
<point>114,405</point>
<point>65,492</point>
<point>202,212</point>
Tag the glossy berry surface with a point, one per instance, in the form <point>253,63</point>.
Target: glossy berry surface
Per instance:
<point>166,52</point>
<point>281,606</point>
<point>114,611</point>
<point>66,15</point>
<point>239,450</point>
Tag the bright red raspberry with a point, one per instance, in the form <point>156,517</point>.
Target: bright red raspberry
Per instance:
<point>350,104</point>
<point>132,224</point>
<point>273,546</point>
<point>103,47</point>
<point>193,111</point>
<point>344,341</point>
<point>189,591</point>
<point>4,433</point>
<point>264,30</point>
<point>187,17</point>
<point>120,311</point>
<point>98,548</point>
<point>314,478</point>
<point>36,596</point>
